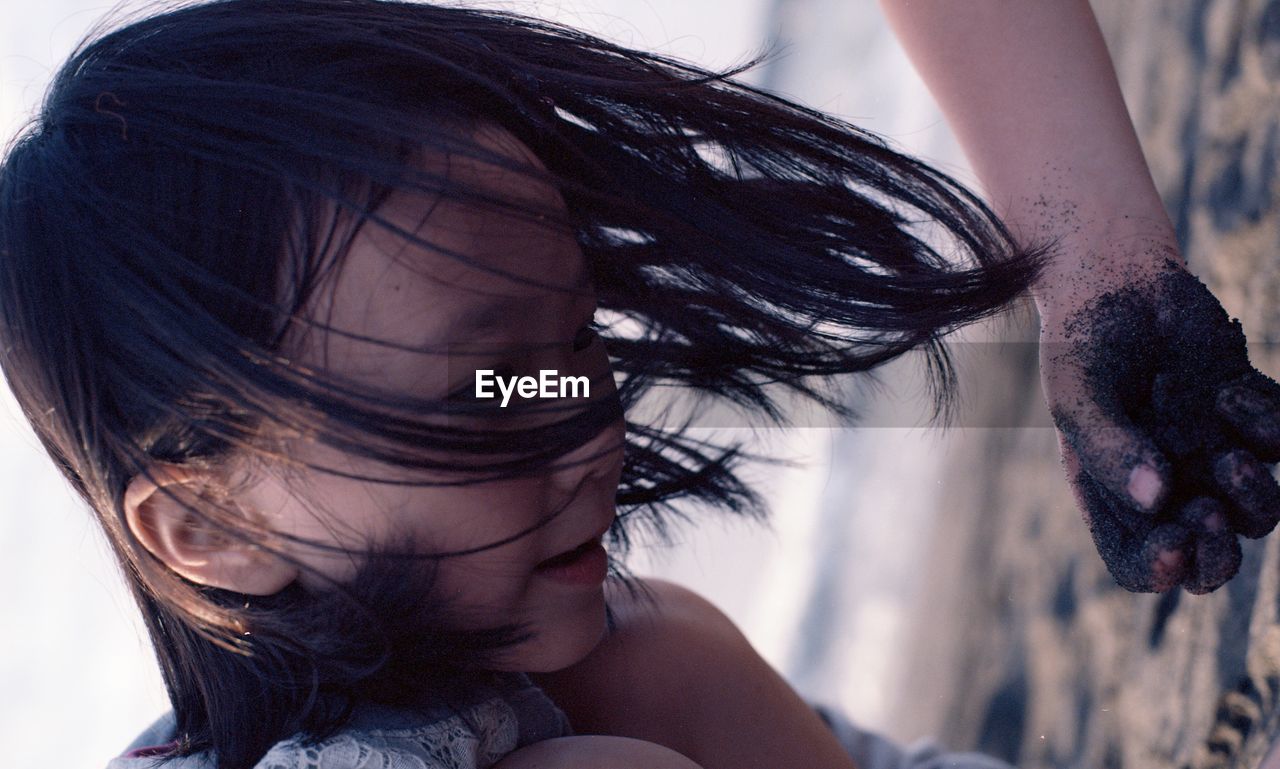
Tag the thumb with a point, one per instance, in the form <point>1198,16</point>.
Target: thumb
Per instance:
<point>1115,453</point>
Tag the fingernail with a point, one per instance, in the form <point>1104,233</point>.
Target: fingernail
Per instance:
<point>1144,485</point>
<point>1170,559</point>
<point>1215,523</point>
<point>1167,570</point>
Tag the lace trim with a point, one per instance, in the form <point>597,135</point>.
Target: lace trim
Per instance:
<point>445,744</point>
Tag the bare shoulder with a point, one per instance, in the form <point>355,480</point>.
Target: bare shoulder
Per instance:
<point>669,613</point>
<point>595,752</point>
<point>669,632</point>
<point>666,658</point>
<point>676,671</point>
<point>674,596</point>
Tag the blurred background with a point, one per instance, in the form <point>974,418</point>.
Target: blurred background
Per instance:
<point>925,582</point>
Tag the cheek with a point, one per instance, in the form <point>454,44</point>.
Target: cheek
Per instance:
<point>491,586</point>
<point>497,577</point>
<point>461,518</point>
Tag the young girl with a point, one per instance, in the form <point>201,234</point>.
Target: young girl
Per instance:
<point>257,258</point>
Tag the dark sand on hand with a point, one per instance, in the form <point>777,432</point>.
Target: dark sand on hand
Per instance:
<point>1180,370</point>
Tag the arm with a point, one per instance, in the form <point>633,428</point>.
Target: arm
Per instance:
<point>1030,92</point>
<point>679,673</point>
<point>1164,424</point>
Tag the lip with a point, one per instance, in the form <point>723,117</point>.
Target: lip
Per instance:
<point>590,563</point>
<point>587,564</point>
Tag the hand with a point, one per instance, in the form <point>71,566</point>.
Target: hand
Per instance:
<point>1164,427</point>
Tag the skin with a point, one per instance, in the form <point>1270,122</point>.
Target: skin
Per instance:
<point>616,687</point>
<point>1042,119</point>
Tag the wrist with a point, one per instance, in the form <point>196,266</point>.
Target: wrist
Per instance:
<point>1094,250</point>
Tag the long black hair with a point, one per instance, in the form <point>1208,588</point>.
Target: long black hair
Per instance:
<point>193,177</point>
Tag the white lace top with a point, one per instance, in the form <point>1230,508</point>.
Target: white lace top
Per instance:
<point>381,738</point>
<point>475,737</point>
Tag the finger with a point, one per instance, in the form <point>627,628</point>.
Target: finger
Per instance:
<point>1217,554</point>
<point>1153,560</point>
<point>1138,524</point>
<point>1251,405</point>
<point>1115,453</point>
<point>1249,485</point>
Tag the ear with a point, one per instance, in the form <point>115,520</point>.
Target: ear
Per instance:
<point>156,511</point>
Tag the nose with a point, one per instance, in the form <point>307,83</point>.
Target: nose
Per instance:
<point>598,460</point>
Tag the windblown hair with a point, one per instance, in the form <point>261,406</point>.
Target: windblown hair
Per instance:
<point>194,176</point>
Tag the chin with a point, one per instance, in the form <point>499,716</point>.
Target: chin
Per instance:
<point>561,642</point>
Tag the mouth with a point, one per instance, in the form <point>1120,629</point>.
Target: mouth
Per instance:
<point>569,556</point>
<point>587,564</point>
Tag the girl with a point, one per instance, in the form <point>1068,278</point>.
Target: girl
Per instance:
<point>257,254</point>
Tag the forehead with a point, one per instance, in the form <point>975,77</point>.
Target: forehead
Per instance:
<point>477,266</point>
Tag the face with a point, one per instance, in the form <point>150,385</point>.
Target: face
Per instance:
<point>388,289</point>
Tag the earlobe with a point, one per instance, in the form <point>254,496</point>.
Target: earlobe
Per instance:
<point>158,511</point>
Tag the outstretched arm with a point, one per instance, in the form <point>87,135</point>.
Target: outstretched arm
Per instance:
<point>1031,94</point>
<point>1164,424</point>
